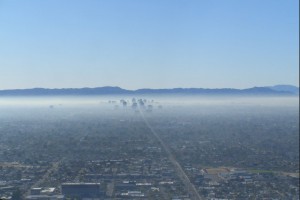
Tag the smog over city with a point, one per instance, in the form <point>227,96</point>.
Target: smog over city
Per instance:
<point>158,147</point>
<point>149,100</point>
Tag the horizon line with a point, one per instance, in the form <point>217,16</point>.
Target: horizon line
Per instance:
<point>55,88</point>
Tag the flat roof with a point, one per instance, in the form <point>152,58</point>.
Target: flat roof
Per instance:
<point>80,183</point>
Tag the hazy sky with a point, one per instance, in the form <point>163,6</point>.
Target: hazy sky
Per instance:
<point>148,43</point>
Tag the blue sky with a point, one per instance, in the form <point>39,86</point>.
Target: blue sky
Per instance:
<point>148,43</point>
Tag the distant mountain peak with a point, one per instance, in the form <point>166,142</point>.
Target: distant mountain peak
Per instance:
<point>286,88</point>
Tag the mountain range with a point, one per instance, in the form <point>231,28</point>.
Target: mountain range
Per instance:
<point>285,90</point>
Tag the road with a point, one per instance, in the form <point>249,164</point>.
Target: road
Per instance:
<point>182,175</point>
<point>53,168</point>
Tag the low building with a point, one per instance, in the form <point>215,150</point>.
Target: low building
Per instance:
<point>81,190</point>
<point>44,197</point>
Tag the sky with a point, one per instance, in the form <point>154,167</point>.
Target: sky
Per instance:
<point>148,43</point>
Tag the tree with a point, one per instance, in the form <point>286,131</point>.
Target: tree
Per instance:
<point>16,195</point>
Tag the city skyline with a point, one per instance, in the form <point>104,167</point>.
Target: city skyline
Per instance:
<point>148,44</point>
